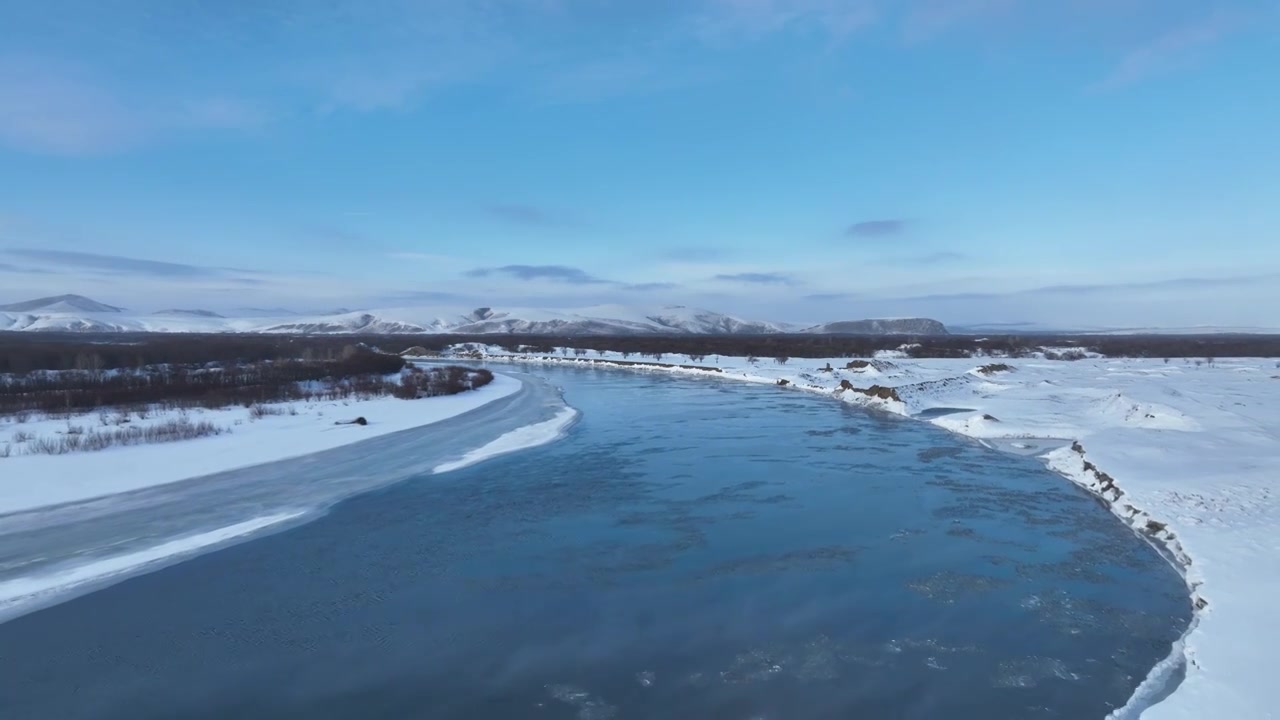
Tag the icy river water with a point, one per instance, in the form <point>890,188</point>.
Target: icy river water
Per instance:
<point>692,549</point>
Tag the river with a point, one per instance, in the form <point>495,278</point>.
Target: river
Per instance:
<point>694,548</point>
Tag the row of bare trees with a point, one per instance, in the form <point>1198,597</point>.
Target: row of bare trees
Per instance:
<point>357,371</point>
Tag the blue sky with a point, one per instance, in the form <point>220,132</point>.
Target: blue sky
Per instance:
<point>1070,162</point>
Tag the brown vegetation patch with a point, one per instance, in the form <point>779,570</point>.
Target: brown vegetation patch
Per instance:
<point>993,368</point>
<point>181,428</point>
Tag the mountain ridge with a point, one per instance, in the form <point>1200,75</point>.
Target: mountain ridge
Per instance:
<point>75,313</point>
<point>61,304</point>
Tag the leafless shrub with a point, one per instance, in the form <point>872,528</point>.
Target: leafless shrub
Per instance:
<point>21,436</point>
<point>258,411</point>
<point>6,451</point>
<point>449,380</point>
<point>181,428</point>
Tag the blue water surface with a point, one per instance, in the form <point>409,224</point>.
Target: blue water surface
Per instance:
<point>693,549</point>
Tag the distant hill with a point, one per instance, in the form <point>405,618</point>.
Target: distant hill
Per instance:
<point>75,313</point>
<point>189,313</point>
<point>889,326</point>
<point>61,304</point>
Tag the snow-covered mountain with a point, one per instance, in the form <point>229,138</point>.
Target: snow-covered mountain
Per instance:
<point>72,313</point>
<point>598,320</point>
<point>61,304</point>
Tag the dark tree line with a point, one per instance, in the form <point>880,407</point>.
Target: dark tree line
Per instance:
<point>24,352</point>
<point>358,371</point>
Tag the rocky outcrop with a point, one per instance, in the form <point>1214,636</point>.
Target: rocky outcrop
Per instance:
<point>994,368</point>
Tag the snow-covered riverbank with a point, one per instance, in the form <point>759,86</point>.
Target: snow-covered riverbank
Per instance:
<point>31,481</point>
<point>1185,452</point>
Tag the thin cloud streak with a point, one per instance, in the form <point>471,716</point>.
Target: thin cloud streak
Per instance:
<point>48,107</point>
<point>941,257</point>
<point>115,264</point>
<point>758,278</point>
<point>552,273</point>
<point>1170,50</point>
<point>930,18</point>
<point>697,254</point>
<point>725,21</point>
<point>526,215</point>
<point>877,228</point>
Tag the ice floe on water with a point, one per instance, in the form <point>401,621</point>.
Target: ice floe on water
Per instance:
<point>519,439</point>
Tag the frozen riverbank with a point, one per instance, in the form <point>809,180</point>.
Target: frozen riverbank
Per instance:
<point>1186,453</point>
<point>293,429</point>
<point>53,552</point>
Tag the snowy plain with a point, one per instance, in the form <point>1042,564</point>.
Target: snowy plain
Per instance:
<point>1186,452</point>
<point>32,481</point>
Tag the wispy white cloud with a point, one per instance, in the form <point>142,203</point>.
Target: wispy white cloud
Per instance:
<point>422,257</point>
<point>1171,50</point>
<point>46,107</point>
<point>112,264</point>
<point>930,259</point>
<point>877,228</point>
<point>53,107</point>
<point>730,20</point>
<point>221,113</point>
<point>625,76</point>
<point>929,18</point>
<point>550,273</point>
<point>527,215</point>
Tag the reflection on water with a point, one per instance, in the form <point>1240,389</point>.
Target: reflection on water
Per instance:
<point>695,549</point>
